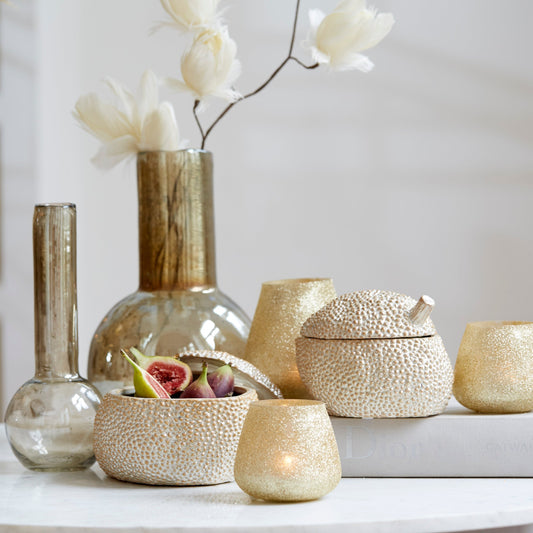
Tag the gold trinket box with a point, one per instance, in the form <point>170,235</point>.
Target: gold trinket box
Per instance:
<point>375,354</point>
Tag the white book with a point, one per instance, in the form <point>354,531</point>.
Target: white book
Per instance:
<point>456,443</point>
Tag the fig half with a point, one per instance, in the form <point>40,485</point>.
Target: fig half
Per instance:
<point>145,385</point>
<point>173,375</point>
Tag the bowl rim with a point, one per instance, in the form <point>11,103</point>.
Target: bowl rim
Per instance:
<point>126,393</point>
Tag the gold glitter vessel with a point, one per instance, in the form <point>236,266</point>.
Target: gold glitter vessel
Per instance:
<point>287,451</point>
<point>494,368</point>
<point>283,307</point>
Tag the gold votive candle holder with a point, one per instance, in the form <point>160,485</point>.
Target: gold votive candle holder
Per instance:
<point>494,368</point>
<point>287,451</point>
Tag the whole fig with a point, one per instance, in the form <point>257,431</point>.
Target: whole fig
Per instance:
<point>200,387</point>
<point>222,381</point>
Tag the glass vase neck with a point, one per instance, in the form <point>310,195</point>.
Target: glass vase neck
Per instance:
<point>176,226</point>
<point>55,296</point>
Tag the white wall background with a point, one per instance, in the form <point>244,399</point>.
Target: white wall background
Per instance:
<point>417,177</point>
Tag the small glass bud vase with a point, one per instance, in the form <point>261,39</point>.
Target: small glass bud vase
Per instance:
<point>49,421</point>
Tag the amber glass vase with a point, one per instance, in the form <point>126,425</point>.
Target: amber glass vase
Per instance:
<point>178,306</point>
<point>49,421</point>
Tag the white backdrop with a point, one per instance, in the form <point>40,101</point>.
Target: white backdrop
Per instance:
<point>416,177</point>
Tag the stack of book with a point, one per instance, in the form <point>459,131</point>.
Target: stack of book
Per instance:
<point>456,443</point>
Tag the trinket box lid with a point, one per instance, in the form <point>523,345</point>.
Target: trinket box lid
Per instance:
<point>372,314</point>
<point>246,374</point>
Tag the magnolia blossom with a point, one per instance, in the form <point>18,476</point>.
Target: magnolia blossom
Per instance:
<point>209,67</point>
<point>338,38</point>
<point>192,14</point>
<point>134,125</point>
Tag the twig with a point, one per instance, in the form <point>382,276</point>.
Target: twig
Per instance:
<point>308,67</point>
<point>194,108</point>
<point>263,85</point>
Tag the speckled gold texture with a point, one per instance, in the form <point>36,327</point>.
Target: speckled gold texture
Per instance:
<point>169,442</point>
<point>369,314</point>
<point>494,368</point>
<point>391,378</point>
<point>287,451</point>
<point>282,308</point>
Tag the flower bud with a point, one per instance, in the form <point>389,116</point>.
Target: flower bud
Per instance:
<point>338,38</point>
<point>209,67</point>
<point>191,14</point>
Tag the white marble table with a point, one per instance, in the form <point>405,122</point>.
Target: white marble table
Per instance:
<point>89,501</point>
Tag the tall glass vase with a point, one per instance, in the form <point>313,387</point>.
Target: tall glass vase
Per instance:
<point>178,306</point>
<point>49,421</point>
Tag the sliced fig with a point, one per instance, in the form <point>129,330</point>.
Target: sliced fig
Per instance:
<point>222,381</point>
<point>145,385</point>
<point>173,375</point>
<point>200,387</point>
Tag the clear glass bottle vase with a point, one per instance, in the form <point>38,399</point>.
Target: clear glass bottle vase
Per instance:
<point>178,306</point>
<point>49,421</point>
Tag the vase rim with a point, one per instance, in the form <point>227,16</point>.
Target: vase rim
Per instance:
<point>295,281</point>
<point>288,403</point>
<point>191,150</point>
<point>60,205</point>
<point>497,324</point>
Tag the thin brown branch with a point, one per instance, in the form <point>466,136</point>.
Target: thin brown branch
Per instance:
<point>263,85</point>
<point>308,67</point>
<point>294,24</point>
<point>198,123</point>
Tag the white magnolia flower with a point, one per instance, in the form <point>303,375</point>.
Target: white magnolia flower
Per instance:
<point>209,67</point>
<point>338,38</point>
<point>192,15</point>
<point>130,127</point>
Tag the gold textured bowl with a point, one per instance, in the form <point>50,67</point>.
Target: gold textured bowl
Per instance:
<point>169,442</point>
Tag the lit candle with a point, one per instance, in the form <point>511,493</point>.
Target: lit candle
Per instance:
<point>287,451</point>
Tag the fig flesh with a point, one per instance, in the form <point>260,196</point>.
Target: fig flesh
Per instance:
<point>173,375</point>
<point>199,388</point>
<point>222,381</point>
<point>146,386</point>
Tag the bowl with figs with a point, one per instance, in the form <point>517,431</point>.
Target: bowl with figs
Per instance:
<point>180,424</point>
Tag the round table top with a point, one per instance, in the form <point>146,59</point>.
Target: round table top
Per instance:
<point>89,501</point>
